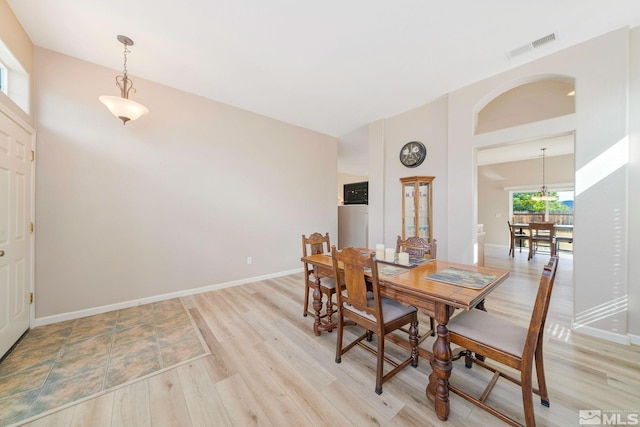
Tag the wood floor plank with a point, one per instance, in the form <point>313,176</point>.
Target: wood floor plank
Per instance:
<point>268,389</point>
<point>294,371</point>
<point>293,352</point>
<point>240,329</point>
<point>219,362</point>
<point>222,319</point>
<point>60,418</point>
<point>167,401</point>
<point>408,417</point>
<point>238,401</point>
<point>95,412</point>
<point>215,320</point>
<point>350,405</point>
<point>205,406</point>
<point>131,406</point>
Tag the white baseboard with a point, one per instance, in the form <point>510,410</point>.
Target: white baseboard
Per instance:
<point>605,335</point>
<point>634,339</point>
<point>126,304</point>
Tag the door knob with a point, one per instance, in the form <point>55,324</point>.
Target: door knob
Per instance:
<point>1,253</point>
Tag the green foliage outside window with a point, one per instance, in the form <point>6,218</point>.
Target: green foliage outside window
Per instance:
<point>522,203</point>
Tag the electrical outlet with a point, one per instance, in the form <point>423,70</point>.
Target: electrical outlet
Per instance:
<point>249,260</point>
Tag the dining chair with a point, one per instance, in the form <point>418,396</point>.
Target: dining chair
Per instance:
<point>515,235</point>
<point>418,247</point>
<point>364,306</point>
<point>316,243</point>
<point>508,343</point>
<point>541,232</point>
<point>562,239</point>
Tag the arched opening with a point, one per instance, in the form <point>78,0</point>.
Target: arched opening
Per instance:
<point>509,157</point>
<point>529,102</point>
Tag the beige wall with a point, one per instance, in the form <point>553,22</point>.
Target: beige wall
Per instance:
<point>493,197</point>
<point>428,125</point>
<point>174,201</point>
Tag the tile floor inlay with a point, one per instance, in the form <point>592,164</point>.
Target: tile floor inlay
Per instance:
<point>60,363</point>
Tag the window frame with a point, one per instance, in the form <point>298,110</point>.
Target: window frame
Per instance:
<point>4,79</point>
<point>529,189</point>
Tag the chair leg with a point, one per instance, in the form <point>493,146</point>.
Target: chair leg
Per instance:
<point>542,383</point>
<point>527,396</point>
<point>329,308</point>
<point>413,340</point>
<point>339,338</point>
<point>380,364</point>
<point>306,298</point>
<point>468,359</point>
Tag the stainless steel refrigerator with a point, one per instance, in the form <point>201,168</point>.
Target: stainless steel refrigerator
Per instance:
<point>353,226</point>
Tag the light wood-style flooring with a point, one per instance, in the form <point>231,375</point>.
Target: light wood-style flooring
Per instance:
<point>267,368</point>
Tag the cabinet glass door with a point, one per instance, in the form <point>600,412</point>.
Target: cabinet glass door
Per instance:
<point>416,207</point>
<point>423,211</point>
<point>409,210</point>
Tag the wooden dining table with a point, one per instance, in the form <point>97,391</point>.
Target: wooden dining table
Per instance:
<point>521,227</point>
<point>524,228</point>
<point>435,298</point>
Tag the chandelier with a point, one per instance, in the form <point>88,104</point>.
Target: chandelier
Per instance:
<point>543,193</point>
<point>121,106</point>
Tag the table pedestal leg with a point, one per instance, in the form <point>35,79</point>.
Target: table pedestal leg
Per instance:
<point>438,388</point>
<point>317,306</point>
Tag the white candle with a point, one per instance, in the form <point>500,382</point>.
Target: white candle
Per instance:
<point>380,251</point>
<point>403,258</point>
<point>390,254</point>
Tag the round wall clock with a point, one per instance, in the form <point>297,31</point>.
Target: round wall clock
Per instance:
<point>413,154</point>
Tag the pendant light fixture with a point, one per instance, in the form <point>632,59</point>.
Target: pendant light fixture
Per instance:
<point>543,194</point>
<point>121,106</point>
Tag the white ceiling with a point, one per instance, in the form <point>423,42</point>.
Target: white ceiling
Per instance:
<point>331,66</point>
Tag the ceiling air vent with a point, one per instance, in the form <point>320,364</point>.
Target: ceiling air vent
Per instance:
<point>531,45</point>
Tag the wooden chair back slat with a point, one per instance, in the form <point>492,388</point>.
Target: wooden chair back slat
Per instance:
<point>417,247</point>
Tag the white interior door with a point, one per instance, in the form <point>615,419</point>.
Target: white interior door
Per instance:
<point>15,237</point>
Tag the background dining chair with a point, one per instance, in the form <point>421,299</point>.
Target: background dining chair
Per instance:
<point>418,247</point>
<point>316,243</point>
<point>509,344</point>
<point>516,235</point>
<point>541,233</point>
<point>368,309</point>
<point>562,239</point>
